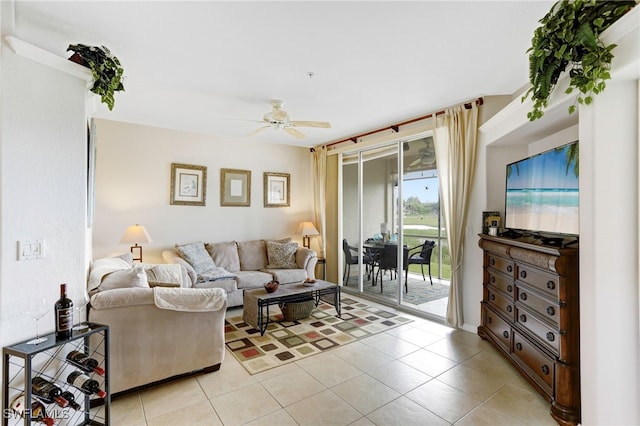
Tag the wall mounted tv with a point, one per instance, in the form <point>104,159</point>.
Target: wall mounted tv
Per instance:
<point>542,192</point>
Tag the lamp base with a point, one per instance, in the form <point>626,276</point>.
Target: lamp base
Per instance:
<point>306,241</point>
<point>138,249</point>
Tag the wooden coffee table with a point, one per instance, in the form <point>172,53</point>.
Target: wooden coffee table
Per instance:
<point>257,301</point>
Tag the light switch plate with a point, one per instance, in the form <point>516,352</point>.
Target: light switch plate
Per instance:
<point>30,249</point>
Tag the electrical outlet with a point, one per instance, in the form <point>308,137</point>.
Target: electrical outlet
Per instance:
<point>30,249</point>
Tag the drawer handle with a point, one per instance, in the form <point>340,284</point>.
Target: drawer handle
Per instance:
<point>489,320</point>
<point>551,310</point>
<point>523,318</point>
<point>509,288</point>
<point>509,308</point>
<point>551,337</point>
<point>492,279</point>
<point>492,297</point>
<point>509,268</point>
<point>519,346</point>
<point>492,261</point>
<point>505,334</point>
<point>523,274</point>
<point>545,369</point>
<point>523,296</point>
<point>551,285</point>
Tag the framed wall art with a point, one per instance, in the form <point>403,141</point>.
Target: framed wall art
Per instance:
<point>235,187</point>
<point>276,189</point>
<point>188,185</point>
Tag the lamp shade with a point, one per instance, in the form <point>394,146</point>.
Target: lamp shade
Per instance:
<point>308,229</point>
<point>136,234</point>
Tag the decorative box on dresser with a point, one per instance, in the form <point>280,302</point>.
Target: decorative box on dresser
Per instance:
<point>530,312</point>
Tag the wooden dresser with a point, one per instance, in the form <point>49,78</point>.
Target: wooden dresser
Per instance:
<point>531,313</point>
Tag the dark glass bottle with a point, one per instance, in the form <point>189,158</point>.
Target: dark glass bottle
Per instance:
<point>69,396</point>
<point>86,384</point>
<point>64,315</point>
<point>84,362</point>
<point>48,391</point>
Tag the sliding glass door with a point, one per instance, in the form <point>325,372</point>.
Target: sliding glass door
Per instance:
<point>387,217</point>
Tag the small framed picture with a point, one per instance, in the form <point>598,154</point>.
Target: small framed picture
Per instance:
<point>490,220</point>
<point>235,187</point>
<point>276,189</point>
<point>188,185</point>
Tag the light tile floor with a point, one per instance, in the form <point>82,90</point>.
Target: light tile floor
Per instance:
<point>422,373</point>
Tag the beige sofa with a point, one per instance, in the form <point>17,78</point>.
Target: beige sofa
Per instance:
<point>152,337</point>
<point>243,265</point>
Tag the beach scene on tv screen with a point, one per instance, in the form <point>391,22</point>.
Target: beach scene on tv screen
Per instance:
<point>542,192</point>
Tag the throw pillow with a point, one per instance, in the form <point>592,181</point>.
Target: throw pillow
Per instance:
<point>281,256</point>
<point>134,277</point>
<point>127,257</point>
<point>197,256</point>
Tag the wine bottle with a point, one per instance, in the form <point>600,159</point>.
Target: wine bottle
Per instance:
<point>84,362</point>
<point>64,314</point>
<point>47,391</point>
<point>69,396</point>
<point>86,384</point>
<point>38,412</point>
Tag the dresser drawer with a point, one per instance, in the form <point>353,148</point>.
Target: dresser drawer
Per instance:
<point>501,282</point>
<point>544,281</point>
<point>498,328</point>
<point>541,367</point>
<point>501,264</point>
<point>546,334</point>
<point>544,307</point>
<point>501,303</point>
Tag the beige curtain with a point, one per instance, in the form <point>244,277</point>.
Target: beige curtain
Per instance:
<point>319,188</point>
<point>455,135</point>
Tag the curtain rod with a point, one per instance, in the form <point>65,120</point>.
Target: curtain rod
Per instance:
<point>396,127</point>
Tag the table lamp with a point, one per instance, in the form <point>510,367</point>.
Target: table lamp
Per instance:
<point>307,229</point>
<point>136,234</point>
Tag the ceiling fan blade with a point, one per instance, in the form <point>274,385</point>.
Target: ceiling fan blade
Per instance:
<point>323,124</point>
<point>255,132</point>
<point>295,133</point>
<point>416,162</point>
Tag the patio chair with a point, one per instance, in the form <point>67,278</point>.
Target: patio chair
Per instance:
<point>421,257</point>
<point>351,258</point>
<point>388,261</point>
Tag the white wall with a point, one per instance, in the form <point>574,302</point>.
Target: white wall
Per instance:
<point>132,186</point>
<point>43,174</point>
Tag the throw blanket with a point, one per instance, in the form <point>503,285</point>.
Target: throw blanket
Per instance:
<point>189,300</point>
<point>215,274</point>
<point>102,267</point>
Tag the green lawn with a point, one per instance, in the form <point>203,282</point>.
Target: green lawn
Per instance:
<point>414,237</point>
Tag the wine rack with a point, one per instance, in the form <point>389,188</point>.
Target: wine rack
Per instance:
<point>23,362</point>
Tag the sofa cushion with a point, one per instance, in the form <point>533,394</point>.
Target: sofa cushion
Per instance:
<point>225,255</point>
<point>287,276</point>
<point>253,255</point>
<point>252,279</point>
<point>197,256</point>
<point>281,255</point>
<point>134,277</point>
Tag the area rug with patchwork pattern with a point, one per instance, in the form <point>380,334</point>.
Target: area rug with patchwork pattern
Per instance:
<point>288,341</point>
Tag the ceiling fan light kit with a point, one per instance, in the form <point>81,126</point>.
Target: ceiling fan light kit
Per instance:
<point>278,119</point>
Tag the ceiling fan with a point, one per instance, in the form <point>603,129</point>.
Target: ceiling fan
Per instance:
<point>426,155</point>
<point>278,118</point>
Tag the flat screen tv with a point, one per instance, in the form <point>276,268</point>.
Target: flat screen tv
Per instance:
<point>542,192</point>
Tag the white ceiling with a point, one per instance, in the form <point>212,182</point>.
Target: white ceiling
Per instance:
<point>205,66</point>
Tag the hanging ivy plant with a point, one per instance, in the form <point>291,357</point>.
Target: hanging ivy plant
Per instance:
<point>568,40</point>
<point>105,68</point>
